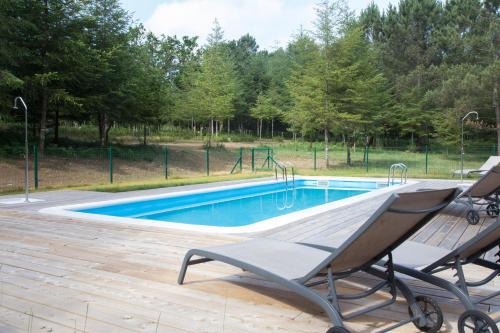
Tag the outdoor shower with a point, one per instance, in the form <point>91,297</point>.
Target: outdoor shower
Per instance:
<point>26,165</point>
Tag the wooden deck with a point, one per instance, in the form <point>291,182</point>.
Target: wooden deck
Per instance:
<point>64,275</point>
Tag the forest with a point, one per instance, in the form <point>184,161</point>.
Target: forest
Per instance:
<point>410,72</point>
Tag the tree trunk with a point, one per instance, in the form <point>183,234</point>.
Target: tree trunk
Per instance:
<point>228,125</point>
<point>45,90</point>
<point>272,127</point>
<point>103,128</point>
<point>349,152</point>
<point>56,126</point>
<point>327,161</point>
<point>260,130</point>
<point>43,119</point>
<point>367,141</point>
<point>106,137</point>
<point>497,113</point>
<point>100,126</point>
<point>144,141</point>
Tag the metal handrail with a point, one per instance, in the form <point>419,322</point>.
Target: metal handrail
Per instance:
<point>404,173</point>
<point>284,171</point>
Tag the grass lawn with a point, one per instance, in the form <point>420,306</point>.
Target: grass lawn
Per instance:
<point>159,183</point>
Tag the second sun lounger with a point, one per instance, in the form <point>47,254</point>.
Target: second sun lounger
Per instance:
<point>484,192</point>
<point>432,260</point>
<point>490,163</point>
<point>297,267</point>
<point>423,261</point>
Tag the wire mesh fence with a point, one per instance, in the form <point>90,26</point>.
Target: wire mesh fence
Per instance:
<point>12,169</point>
<point>64,167</point>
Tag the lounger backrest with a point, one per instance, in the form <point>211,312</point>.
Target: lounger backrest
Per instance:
<point>483,242</point>
<point>473,248</point>
<point>486,185</point>
<point>394,222</point>
<point>490,163</point>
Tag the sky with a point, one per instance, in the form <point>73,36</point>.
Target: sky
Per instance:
<point>271,22</point>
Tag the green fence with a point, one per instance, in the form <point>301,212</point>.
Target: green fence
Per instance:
<point>357,161</point>
<point>62,167</point>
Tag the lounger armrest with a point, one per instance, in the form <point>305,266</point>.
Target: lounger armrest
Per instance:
<point>477,171</point>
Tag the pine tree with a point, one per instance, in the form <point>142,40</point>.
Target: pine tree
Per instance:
<point>215,86</point>
<point>333,16</point>
<point>306,90</point>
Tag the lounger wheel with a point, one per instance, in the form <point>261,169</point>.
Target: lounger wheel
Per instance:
<point>474,321</point>
<point>492,210</point>
<point>338,329</point>
<point>432,312</point>
<point>473,217</point>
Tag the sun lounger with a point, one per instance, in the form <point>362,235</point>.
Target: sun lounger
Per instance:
<point>484,192</point>
<point>422,261</point>
<point>490,163</point>
<point>433,259</point>
<point>297,267</point>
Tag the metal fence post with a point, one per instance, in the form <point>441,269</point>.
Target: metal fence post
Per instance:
<point>241,159</point>
<point>207,161</point>
<point>314,156</point>
<point>35,166</point>
<point>253,159</point>
<point>165,161</point>
<point>110,160</point>
<point>494,150</point>
<point>426,159</point>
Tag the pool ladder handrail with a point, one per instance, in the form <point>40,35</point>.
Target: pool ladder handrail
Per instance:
<point>392,170</point>
<point>284,170</point>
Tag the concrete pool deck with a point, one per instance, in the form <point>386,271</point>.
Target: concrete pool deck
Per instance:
<point>67,275</point>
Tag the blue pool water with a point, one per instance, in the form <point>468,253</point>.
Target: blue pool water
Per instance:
<point>237,206</point>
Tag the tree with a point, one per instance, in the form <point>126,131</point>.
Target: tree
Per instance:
<point>333,16</point>
<point>266,109</point>
<point>303,85</point>
<point>468,78</point>
<point>187,96</point>
<point>359,87</point>
<point>107,35</point>
<point>36,50</point>
<point>215,86</point>
<point>251,74</point>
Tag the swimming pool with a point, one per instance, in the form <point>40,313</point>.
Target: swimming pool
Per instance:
<point>235,208</point>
